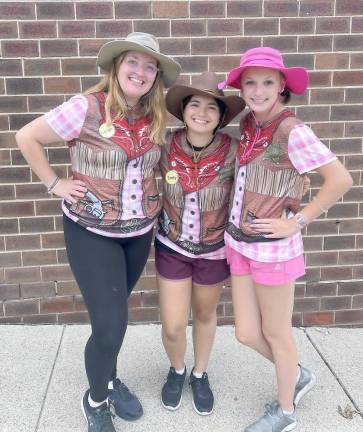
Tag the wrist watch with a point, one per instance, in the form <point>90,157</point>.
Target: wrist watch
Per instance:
<point>301,222</point>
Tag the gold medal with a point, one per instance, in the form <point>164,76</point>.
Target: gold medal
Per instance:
<point>107,131</point>
<point>171,177</point>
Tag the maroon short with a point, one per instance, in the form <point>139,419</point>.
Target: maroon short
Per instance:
<point>175,266</point>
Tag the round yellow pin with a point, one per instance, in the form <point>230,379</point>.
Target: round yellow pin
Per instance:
<point>171,177</point>
<point>107,131</point>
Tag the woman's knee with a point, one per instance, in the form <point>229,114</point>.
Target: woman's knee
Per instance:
<point>251,338</point>
<point>277,337</point>
<point>204,315</point>
<point>173,332</point>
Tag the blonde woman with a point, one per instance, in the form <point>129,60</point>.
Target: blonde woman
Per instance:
<point>111,203</point>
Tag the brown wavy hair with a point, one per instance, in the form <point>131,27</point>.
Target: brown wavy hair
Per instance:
<point>153,101</point>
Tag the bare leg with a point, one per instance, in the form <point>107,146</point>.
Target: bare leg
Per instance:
<point>174,298</point>
<point>204,305</point>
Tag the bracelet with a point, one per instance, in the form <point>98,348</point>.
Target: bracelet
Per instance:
<point>318,206</point>
<point>301,222</point>
<point>53,185</point>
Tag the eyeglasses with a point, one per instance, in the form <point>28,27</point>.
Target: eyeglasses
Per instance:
<point>149,68</point>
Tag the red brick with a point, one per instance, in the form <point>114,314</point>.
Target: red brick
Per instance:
<point>91,47</point>
<point>351,288</point>
<point>339,242</point>
<point>60,85</point>
<point>8,226</point>
<point>302,60</point>
<point>316,7</point>
<point>144,315</point>
<point>67,288</point>
<point>55,273</point>
<point>12,104</point>
<point>37,289</point>
<point>346,145</point>
<point>336,303</point>
<point>188,28</point>
<point>356,61</point>
<point>88,82</point>
<point>315,43</point>
<point>30,191</point>
<point>22,242</point>
<point>318,318</point>
<point>357,302</point>
<point>58,48</point>
<point>347,112</point>
<point>21,307</point>
<point>310,113</point>
<point>351,78</point>
<point>7,192</point>
<point>37,30</point>
<point>40,319</point>
<point>348,42</point>
<point>10,175</point>
<point>17,121</point>
<point>354,129</point>
<point>321,258</point>
<point>155,27</point>
<point>38,224</point>
<point>56,304</point>
<point>296,26</point>
<point>193,64</point>
<point>222,63</point>
<point>48,207</point>
<point>79,304</point>
<point>149,299</point>
<point>167,9</point>
<point>238,45</point>
<point>332,61</point>
<point>357,24</point>
<point>20,48</point>
<point>328,130</point>
<point>73,318</point>
<point>10,320</point>
<point>306,304</point>
<point>31,274</point>
<point>96,10</point>
<point>55,10</point>
<point>43,104</point>
<point>42,67</point>
<point>17,10</point>
<point>175,46</point>
<point>10,67</point>
<point>209,46</point>
<point>282,43</point>
<point>21,208</point>
<point>8,30</point>
<point>336,273</point>
<point>278,8</point>
<point>354,194</point>
<point>146,284</point>
<point>349,7</point>
<point>332,25</point>
<point>202,9</point>
<point>351,226</point>
<point>323,227</point>
<point>349,317</point>
<point>62,257</point>
<point>116,29</point>
<point>133,9</point>
<point>58,155</point>
<point>351,257</point>
<point>313,243</point>
<point>321,289</point>
<point>261,26</point>
<point>79,66</point>
<point>9,292</point>
<point>244,9</point>
<point>358,272</point>
<point>39,258</point>
<point>76,29</point>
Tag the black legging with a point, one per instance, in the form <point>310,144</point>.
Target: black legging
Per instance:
<point>106,270</point>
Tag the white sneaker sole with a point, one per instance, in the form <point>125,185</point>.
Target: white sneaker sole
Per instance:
<point>290,427</point>
<point>305,390</point>
<point>171,408</point>
<point>83,411</point>
<point>201,413</point>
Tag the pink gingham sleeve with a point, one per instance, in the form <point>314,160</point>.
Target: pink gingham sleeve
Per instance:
<point>67,119</point>
<point>306,151</point>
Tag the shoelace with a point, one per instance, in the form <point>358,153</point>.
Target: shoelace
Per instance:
<point>123,390</point>
<point>271,409</point>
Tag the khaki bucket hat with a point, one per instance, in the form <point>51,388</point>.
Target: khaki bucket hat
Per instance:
<point>206,85</point>
<point>142,42</point>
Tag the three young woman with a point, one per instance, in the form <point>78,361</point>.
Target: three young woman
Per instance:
<point>197,168</point>
<point>111,203</point>
<point>263,237</point>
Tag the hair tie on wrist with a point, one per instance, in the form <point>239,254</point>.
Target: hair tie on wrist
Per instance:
<point>53,185</point>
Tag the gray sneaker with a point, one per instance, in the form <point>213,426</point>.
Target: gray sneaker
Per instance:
<point>306,382</point>
<point>274,420</point>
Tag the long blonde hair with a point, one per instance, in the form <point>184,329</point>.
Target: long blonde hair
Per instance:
<point>115,102</point>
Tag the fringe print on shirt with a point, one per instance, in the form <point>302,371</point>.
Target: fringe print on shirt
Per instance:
<point>174,194</point>
<point>150,160</point>
<point>212,198</point>
<point>274,183</point>
<point>109,165</point>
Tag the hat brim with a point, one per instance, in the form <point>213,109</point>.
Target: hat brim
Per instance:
<point>175,95</point>
<point>170,68</point>
<point>297,78</point>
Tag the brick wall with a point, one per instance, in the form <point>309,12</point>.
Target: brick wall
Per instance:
<point>48,53</point>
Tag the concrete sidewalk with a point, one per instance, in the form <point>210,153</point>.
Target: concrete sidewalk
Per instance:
<point>42,380</point>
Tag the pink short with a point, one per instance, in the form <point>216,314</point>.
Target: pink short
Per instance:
<point>265,273</point>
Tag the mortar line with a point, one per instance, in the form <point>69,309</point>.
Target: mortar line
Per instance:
<point>49,380</point>
<point>345,390</point>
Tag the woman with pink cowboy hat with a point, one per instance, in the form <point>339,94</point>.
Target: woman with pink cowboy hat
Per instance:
<point>263,237</point>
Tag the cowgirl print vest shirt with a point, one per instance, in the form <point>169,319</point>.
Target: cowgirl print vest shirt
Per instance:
<point>119,171</point>
<point>196,194</point>
<point>267,184</point>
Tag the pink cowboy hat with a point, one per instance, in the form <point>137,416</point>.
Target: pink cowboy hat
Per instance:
<point>297,78</point>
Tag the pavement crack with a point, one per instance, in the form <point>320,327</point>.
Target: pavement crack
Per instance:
<point>345,390</point>
<point>49,380</point>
